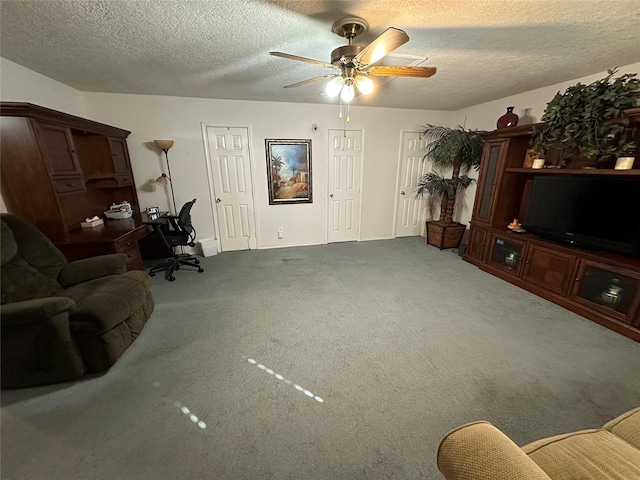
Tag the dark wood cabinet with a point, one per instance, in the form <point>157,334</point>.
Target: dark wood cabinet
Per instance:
<point>492,159</point>
<point>58,169</point>
<point>57,149</point>
<point>601,286</point>
<point>609,289</point>
<point>549,268</point>
<point>478,238</point>
<point>507,253</point>
<point>120,155</point>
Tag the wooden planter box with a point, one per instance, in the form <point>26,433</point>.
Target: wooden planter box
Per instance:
<point>443,236</point>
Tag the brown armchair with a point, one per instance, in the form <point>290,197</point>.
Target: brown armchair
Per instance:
<point>60,319</point>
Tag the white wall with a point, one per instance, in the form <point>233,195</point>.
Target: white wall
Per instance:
<point>485,115</point>
<point>180,119</point>
<point>151,117</point>
<point>19,84</point>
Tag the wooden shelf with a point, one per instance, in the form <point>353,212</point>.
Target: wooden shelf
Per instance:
<point>574,171</point>
<point>65,169</point>
<point>559,272</point>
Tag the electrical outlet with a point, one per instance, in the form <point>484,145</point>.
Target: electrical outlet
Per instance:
<point>280,232</point>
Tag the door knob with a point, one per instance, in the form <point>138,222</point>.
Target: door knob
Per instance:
<point>331,195</point>
<point>402,193</point>
<point>218,200</point>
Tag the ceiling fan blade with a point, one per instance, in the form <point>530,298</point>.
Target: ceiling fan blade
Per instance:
<point>390,71</point>
<point>301,59</point>
<point>388,41</point>
<point>310,80</point>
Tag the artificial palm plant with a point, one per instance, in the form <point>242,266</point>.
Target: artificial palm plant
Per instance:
<point>449,149</point>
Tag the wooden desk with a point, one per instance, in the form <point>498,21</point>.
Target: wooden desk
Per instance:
<point>115,236</point>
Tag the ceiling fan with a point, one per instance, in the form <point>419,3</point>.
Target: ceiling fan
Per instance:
<point>355,63</point>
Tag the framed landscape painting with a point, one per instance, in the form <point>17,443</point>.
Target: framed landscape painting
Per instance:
<point>289,171</point>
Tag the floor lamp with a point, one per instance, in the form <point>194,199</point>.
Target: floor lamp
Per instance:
<point>165,178</point>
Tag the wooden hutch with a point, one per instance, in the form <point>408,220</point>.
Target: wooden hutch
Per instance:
<point>571,277</point>
<point>58,169</point>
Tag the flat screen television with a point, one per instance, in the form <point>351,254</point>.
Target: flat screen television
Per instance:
<point>590,211</point>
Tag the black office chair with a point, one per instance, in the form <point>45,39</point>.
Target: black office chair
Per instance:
<point>177,232</point>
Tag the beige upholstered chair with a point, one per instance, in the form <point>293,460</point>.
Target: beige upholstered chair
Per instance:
<point>479,451</point>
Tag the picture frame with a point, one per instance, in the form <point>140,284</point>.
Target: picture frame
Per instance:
<point>289,172</point>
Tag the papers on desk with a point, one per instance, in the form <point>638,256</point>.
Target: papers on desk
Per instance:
<point>91,222</point>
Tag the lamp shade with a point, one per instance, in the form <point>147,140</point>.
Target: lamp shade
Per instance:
<point>347,93</point>
<point>164,144</point>
<point>334,86</point>
<point>364,84</point>
<point>162,180</point>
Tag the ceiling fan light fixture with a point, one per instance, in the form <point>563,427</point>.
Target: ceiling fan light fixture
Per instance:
<point>364,84</point>
<point>334,87</point>
<point>348,92</point>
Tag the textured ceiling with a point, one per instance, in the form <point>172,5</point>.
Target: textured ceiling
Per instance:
<point>483,49</point>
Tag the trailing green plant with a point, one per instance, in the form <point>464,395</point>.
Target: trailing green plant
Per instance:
<point>587,120</point>
<point>454,149</point>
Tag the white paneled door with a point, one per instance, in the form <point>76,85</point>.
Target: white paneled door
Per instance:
<point>411,211</point>
<point>345,163</point>
<point>230,163</point>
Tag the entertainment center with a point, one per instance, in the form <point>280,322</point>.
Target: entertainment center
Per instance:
<point>598,282</point>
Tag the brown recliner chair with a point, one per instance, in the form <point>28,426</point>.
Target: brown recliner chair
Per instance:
<point>60,319</point>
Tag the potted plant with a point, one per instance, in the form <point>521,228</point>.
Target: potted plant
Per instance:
<point>449,149</point>
<point>586,121</point>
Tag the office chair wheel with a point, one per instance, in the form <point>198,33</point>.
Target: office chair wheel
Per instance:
<point>152,274</point>
<point>200,269</point>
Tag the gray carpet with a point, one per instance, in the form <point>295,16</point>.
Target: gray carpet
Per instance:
<point>342,361</point>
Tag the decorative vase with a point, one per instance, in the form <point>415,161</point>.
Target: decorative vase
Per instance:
<point>613,295</point>
<point>509,119</point>
<point>538,163</point>
<point>511,259</point>
<point>624,163</point>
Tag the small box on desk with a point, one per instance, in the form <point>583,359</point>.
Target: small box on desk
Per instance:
<point>92,223</point>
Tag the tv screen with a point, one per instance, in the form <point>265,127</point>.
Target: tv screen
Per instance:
<point>590,211</point>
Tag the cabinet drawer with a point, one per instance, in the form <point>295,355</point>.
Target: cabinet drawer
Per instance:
<point>124,180</point>
<point>68,185</point>
<point>129,246</point>
<point>126,243</point>
<point>134,261</point>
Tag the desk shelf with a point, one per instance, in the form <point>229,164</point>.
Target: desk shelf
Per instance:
<point>64,169</point>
